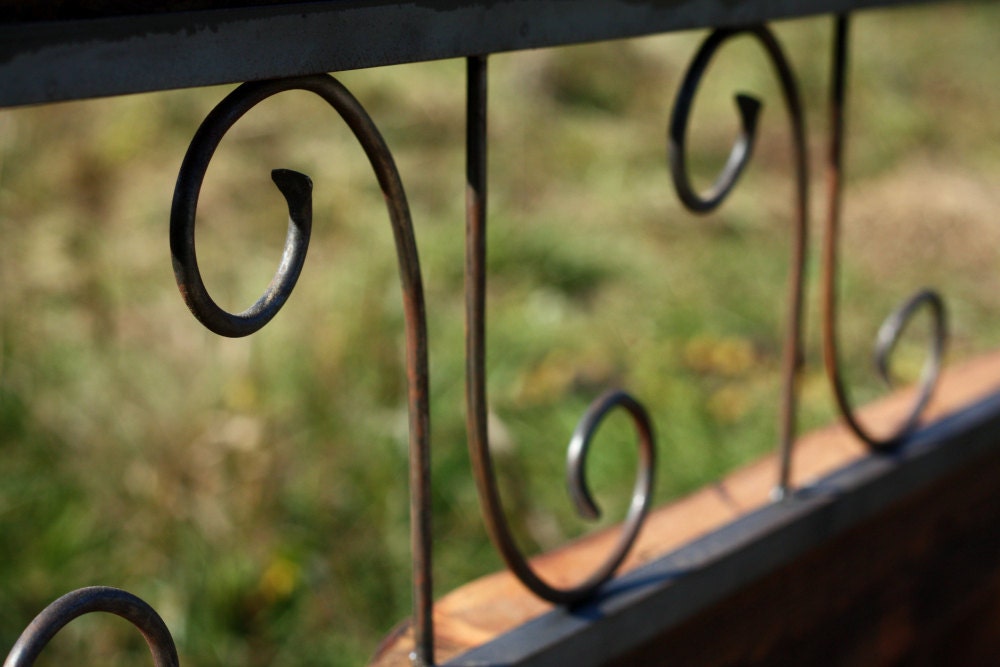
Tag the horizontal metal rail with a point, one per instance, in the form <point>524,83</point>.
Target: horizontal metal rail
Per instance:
<point>45,57</point>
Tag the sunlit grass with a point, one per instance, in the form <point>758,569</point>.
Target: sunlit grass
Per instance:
<point>253,490</point>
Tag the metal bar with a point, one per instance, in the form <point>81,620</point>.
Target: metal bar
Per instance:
<point>47,61</point>
<point>88,601</point>
<point>476,402</point>
<point>297,189</point>
<point>739,156</point>
<point>894,325</point>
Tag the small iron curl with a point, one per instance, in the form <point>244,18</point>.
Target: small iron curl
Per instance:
<point>749,109</point>
<point>297,191</point>
<point>477,409</point>
<point>87,601</point>
<point>897,321</point>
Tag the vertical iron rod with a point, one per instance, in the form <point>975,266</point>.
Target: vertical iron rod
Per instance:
<point>739,156</point>
<point>477,408</point>
<point>894,325</point>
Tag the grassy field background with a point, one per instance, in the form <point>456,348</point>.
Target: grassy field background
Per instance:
<point>253,490</point>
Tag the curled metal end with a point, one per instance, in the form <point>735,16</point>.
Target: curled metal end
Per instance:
<point>888,336</point>
<point>296,188</point>
<point>477,405</point>
<point>894,326</point>
<point>579,446</point>
<point>642,497</point>
<point>297,191</point>
<point>747,107</point>
<point>86,601</point>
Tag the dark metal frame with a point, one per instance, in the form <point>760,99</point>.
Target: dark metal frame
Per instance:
<point>44,59</point>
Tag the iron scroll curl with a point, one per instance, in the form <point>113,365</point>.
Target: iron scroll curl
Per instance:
<point>477,407</point>
<point>896,323</point>
<point>749,109</point>
<point>297,190</point>
<point>91,600</point>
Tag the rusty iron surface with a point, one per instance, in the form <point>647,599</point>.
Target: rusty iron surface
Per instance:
<point>895,324</point>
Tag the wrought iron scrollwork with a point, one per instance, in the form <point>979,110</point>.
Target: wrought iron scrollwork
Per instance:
<point>894,325</point>
<point>297,189</point>
<point>87,601</point>
<point>749,109</point>
<point>476,401</point>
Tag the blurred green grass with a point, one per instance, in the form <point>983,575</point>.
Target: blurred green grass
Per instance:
<point>253,490</point>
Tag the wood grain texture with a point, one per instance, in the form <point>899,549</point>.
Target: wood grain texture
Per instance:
<point>492,605</point>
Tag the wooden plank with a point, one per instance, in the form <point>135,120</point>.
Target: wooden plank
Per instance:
<point>494,605</point>
<point>919,585</point>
